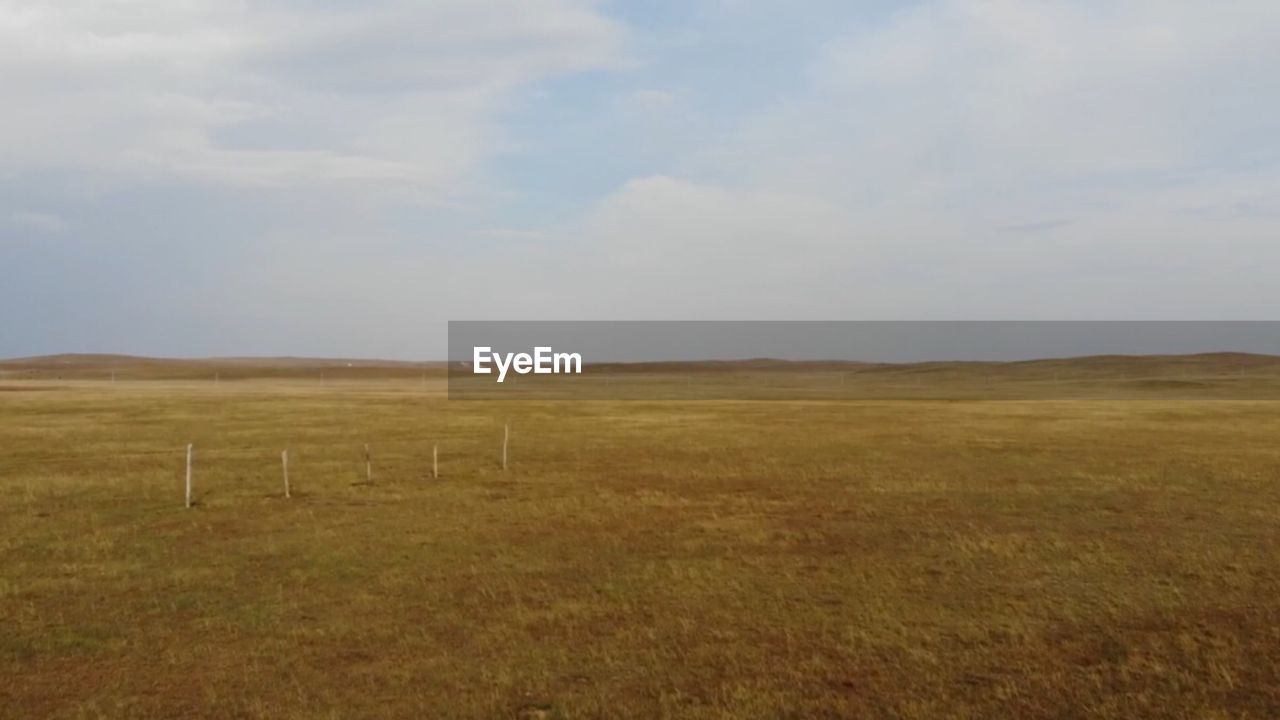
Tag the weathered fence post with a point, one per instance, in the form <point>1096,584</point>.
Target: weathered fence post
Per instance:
<point>284,463</point>
<point>506,435</point>
<point>190,449</point>
<point>368,464</point>
<point>435,460</point>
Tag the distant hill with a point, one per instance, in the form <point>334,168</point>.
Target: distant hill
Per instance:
<point>95,365</point>
<point>1084,365</point>
<point>1163,368</point>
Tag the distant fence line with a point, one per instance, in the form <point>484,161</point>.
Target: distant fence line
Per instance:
<point>364,453</point>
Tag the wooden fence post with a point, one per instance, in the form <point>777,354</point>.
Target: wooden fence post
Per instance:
<point>284,463</point>
<point>190,449</point>
<point>506,435</point>
<point>435,460</point>
<point>368,464</point>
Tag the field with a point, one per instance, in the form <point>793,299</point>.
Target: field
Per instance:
<point>911,558</point>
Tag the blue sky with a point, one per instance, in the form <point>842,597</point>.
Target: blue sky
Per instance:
<point>340,178</point>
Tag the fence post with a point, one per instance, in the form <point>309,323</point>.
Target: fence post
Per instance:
<point>368,464</point>
<point>435,460</point>
<point>506,434</point>
<point>284,462</point>
<point>190,449</point>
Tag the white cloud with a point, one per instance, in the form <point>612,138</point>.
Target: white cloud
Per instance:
<point>395,93</point>
<point>990,159</point>
<point>1006,91</point>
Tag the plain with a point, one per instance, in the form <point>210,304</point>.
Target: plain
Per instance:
<point>683,559</point>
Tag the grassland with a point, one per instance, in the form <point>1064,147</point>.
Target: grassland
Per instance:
<point>684,559</point>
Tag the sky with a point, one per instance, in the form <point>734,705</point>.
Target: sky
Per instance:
<point>341,177</point>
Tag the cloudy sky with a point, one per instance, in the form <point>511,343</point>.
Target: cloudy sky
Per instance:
<point>339,177</point>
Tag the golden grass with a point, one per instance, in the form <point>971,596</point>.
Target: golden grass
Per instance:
<point>914,559</point>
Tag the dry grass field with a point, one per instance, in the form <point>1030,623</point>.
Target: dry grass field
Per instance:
<point>834,558</point>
